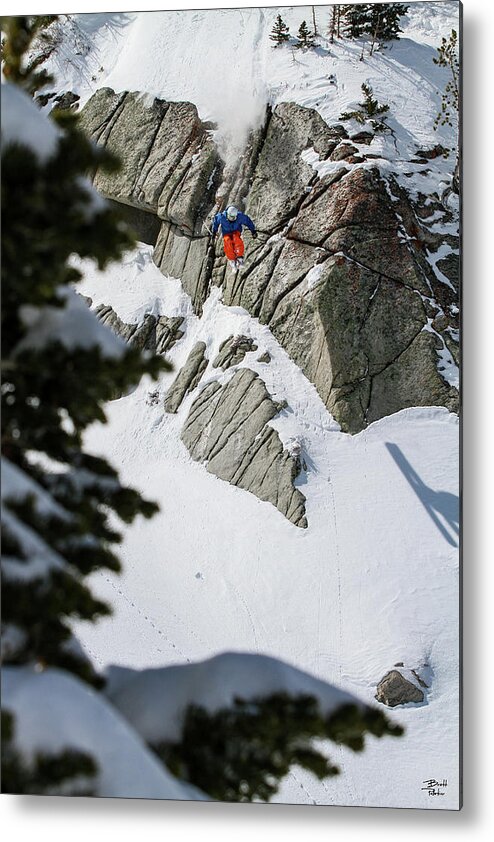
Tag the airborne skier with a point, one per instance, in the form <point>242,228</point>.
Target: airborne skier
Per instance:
<point>231,222</point>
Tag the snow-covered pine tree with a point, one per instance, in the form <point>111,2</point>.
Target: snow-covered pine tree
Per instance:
<point>305,37</point>
<point>280,33</point>
<point>59,367</point>
<point>219,754</point>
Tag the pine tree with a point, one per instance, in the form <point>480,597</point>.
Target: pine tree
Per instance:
<point>336,16</point>
<point>19,34</point>
<point>384,22</point>
<point>379,21</point>
<point>332,23</point>
<point>305,37</point>
<point>450,104</point>
<point>355,19</point>
<point>241,753</point>
<point>59,501</point>
<point>280,33</point>
<point>369,111</point>
<point>448,57</point>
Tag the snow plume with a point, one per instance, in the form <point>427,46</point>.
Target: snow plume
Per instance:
<point>239,111</point>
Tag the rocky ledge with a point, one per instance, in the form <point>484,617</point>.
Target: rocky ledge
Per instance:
<point>227,429</point>
<point>340,271</point>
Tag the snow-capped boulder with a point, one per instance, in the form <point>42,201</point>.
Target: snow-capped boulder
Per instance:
<point>227,426</point>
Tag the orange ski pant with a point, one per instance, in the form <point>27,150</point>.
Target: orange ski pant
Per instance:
<point>233,245</point>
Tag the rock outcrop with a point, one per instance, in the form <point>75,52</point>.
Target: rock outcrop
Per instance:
<point>187,378</point>
<point>227,428</point>
<point>394,689</point>
<point>341,270</point>
<point>232,351</point>
<point>156,334</point>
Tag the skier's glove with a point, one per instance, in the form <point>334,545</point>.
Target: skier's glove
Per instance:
<point>254,234</point>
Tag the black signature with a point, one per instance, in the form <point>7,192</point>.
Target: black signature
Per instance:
<point>434,787</point>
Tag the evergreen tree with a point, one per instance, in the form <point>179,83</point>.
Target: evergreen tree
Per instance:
<point>305,37</point>
<point>450,104</point>
<point>68,772</point>
<point>355,19</point>
<point>19,34</point>
<point>448,57</point>
<point>369,111</point>
<point>280,33</point>
<point>243,752</point>
<point>58,526</point>
<point>332,23</point>
<point>335,20</point>
<point>379,21</point>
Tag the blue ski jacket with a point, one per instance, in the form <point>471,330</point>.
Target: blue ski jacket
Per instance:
<point>228,227</point>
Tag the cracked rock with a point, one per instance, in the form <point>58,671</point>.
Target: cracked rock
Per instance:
<point>154,334</point>
<point>187,378</point>
<point>227,428</point>
<point>232,351</point>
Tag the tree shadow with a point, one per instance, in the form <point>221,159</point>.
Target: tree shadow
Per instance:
<point>441,506</point>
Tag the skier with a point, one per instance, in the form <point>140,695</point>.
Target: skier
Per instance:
<point>231,222</point>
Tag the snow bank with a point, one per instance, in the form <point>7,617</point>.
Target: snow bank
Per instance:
<point>73,325</point>
<point>155,700</point>
<point>23,123</point>
<point>55,711</point>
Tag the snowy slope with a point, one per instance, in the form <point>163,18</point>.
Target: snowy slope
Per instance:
<point>223,61</point>
<point>373,581</point>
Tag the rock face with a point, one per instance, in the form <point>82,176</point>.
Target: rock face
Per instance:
<point>187,378</point>
<point>228,428</point>
<point>394,689</point>
<point>340,270</point>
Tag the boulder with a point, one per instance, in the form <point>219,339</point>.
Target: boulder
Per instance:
<point>394,689</point>
<point>232,351</point>
<point>281,176</point>
<point>227,427</point>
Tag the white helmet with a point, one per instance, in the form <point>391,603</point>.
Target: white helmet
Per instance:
<point>231,213</point>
